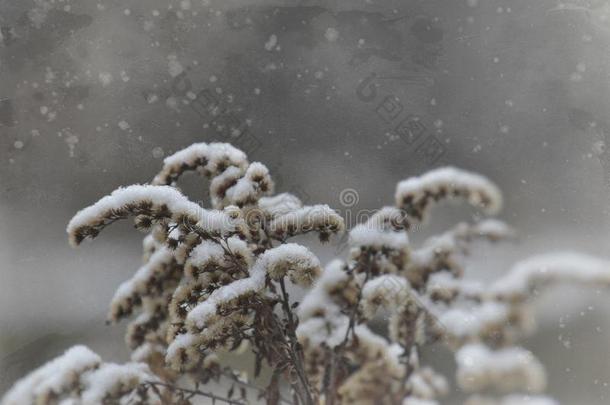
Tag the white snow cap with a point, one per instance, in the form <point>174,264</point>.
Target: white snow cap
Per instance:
<point>111,380</point>
<point>276,262</point>
<point>307,219</point>
<point>205,252</point>
<point>462,323</point>
<point>209,158</point>
<point>418,401</point>
<point>178,206</point>
<point>292,260</point>
<point>509,369</point>
<point>446,283</point>
<point>137,284</point>
<point>53,377</point>
<point>528,400</point>
<point>279,204</point>
<point>124,196</point>
<point>554,267</point>
<point>317,299</point>
<point>375,346</point>
<point>449,181</point>
<point>387,291</point>
<point>255,183</point>
<point>365,235</point>
<point>515,399</point>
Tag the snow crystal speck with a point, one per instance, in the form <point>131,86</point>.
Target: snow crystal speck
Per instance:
<point>331,34</point>
<point>158,152</point>
<point>271,43</point>
<point>105,78</point>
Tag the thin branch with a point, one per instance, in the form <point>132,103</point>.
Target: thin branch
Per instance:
<point>338,350</point>
<point>213,397</point>
<point>296,351</point>
<point>228,374</point>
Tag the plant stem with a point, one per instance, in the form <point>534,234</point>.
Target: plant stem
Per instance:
<point>229,375</point>
<point>296,351</point>
<point>213,397</point>
<point>338,350</point>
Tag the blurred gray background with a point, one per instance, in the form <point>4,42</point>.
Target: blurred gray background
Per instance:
<point>330,95</point>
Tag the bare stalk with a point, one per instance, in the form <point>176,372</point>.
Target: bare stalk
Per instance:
<point>296,352</point>
<point>194,392</point>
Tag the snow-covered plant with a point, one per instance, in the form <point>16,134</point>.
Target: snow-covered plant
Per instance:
<point>216,281</point>
<point>80,377</point>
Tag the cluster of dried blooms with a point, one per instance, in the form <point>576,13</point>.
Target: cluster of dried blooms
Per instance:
<point>216,280</point>
<point>80,377</point>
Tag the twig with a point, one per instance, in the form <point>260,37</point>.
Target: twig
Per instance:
<point>337,351</point>
<point>296,352</point>
<point>236,380</point>
<point>196,392</point>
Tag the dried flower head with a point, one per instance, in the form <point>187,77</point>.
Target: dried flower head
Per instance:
<point>215,281</point>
